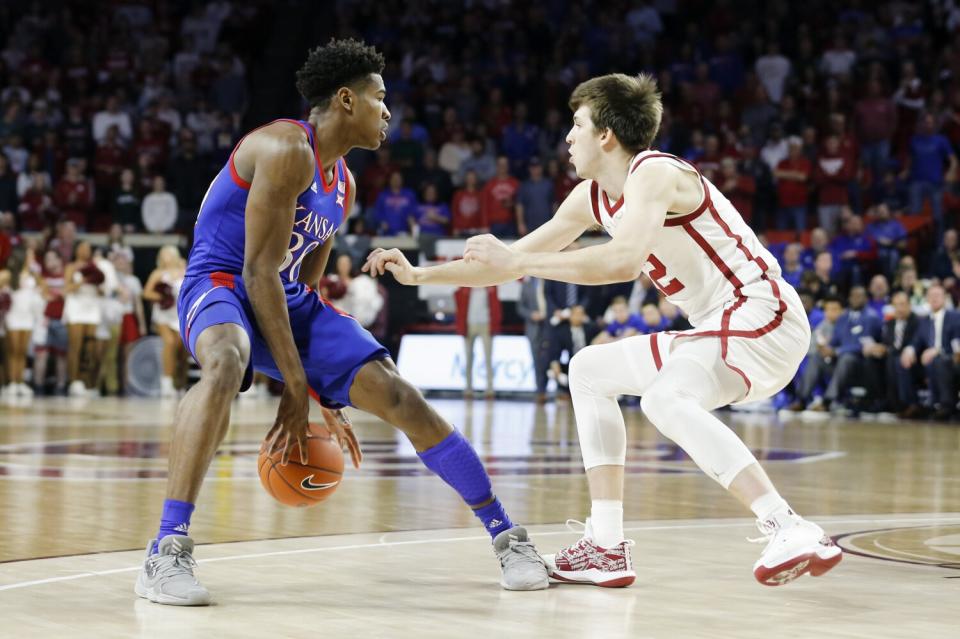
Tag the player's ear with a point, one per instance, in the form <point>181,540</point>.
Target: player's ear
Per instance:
<point>346,99</point>
<point>608,139</point>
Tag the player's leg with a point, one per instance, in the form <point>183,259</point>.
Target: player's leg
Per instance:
<point>223,352</point>
<point>598,374</point>
<point>379,389</point>
<point>693,382</point>
<point>219,336</point>
<point>346,366</point>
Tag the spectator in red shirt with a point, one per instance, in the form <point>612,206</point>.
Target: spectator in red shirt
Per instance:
<point>494,113</point>
<point>738,188</point>
<point>36,208</point>
<point>563,182</point>
<point>910,98</point>
<point>793,176</point>
<point>74,194</point>
<point>876,123</point>
<point>109,161</point>
<point>704,91</point>
<point>709,162</point>
<point>499,197</point>
<point>374,177</point>
<point>152,142</point>
<point>468,218</point>
<point>831,175</point>
<point>849,145</point>
<point>8,237</point>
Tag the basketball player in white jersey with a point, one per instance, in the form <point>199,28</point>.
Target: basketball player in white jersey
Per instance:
<point>750,334</point>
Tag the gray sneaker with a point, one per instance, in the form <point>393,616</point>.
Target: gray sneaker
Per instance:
<point>523,568</point>
<point>167,575</point>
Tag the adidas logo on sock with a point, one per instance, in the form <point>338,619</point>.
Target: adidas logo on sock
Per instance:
<point>494,523</point>
<point>181,528</point>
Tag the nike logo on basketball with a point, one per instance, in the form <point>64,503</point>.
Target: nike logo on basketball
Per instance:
<point>309,485</point>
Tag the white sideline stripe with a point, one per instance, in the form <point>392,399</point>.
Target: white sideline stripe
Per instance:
<point>413,542</point>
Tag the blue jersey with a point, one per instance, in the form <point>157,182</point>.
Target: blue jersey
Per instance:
<point>219,234</point>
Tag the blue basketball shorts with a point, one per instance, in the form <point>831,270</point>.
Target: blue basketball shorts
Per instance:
<point>332,345</point>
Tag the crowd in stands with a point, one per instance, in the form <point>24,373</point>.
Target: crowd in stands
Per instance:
<point>110,120</point>
<point>838,144</point>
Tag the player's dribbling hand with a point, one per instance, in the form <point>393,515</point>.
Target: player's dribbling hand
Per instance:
<point>393,260</point>
<point>291,425</point>
<point>342,430</point>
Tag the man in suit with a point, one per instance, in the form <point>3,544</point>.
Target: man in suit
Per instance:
<point>856,333</point>
<point>821,358</point>
<point>936,344</point>
<point>898,333</point>
<point>562,297</point>
<point>569,337</point>
<point>532,307</point>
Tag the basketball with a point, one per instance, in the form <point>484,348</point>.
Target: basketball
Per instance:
<point>303,485</point>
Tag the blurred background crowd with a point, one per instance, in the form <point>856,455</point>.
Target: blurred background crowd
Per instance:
<point>832,126</point>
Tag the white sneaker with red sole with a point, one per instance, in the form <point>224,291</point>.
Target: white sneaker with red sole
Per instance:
<point>795,547</point>
<point>587,563</point>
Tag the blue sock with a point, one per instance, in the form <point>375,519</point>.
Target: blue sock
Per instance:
<point>175,519</point>
<point>455,461</point>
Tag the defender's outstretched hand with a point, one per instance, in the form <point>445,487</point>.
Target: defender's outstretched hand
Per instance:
<point>490,251</point>
<point>393,260</point>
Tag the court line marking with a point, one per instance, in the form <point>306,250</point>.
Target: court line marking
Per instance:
<point>414,542</point>
<point>893,553</point>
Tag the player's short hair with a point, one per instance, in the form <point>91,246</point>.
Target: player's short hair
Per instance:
<point>628,105</point>
<point>338,63</point>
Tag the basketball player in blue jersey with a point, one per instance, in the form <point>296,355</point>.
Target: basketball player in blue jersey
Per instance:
<point>262,238</point>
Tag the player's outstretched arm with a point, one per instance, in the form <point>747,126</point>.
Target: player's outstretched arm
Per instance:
<point>570,221</point>
<point>282,169</point>
<point>648,194</point>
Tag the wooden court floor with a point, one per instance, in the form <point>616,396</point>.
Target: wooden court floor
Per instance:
<point>394,554</point>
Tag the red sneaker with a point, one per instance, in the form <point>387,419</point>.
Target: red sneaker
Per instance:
<point>587,563</point>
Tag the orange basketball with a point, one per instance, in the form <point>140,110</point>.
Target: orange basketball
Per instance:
<point>304,485</point>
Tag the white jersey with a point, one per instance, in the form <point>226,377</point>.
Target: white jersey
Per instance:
<point>711,265</point>
<point>702,260</point>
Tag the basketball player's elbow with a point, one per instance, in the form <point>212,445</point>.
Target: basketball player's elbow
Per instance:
<point>256,267</point>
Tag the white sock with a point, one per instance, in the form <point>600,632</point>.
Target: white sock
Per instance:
<point>770,505</point>
<point>606,519</point>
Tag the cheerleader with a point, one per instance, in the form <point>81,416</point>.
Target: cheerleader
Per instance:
<point>130,292</point>
<point>50,338</point>
<point>162,288</point>
<point>26,304</point>
<point>81,314</point>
